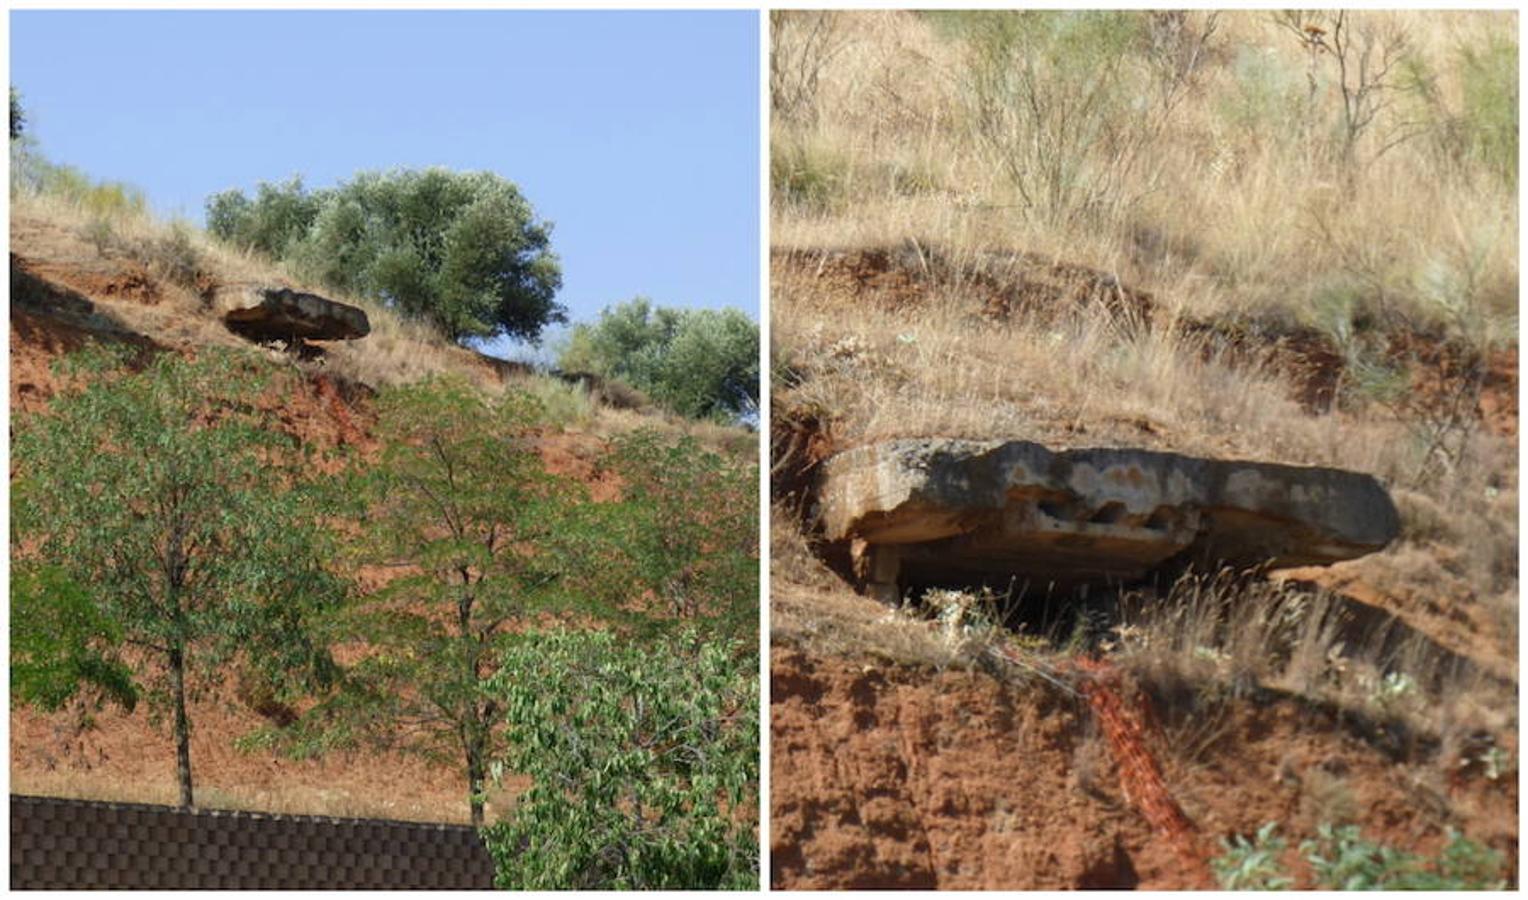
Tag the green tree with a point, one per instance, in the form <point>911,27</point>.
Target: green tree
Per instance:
<point>62,643</point>
<point>18,116</point>
<point>275,223</point>
<point>160,511</point>
<point>644,761</point>
<point>461,250</point>
<point>685,532</point>
<point>701,363</point>
<point>460,507</point>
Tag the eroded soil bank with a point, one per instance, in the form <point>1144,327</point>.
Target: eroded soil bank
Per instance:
<point>891,776</point>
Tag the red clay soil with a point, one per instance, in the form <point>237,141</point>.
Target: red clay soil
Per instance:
<point>888,776</point>
<point>126,758</point>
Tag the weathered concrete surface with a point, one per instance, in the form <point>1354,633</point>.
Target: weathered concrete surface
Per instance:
<point>282,314</point>
<point>945,511</point>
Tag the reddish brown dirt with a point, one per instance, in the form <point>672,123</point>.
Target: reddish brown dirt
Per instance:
<point>889,776</point>
<point>576,456</point>
<point>125,757</point>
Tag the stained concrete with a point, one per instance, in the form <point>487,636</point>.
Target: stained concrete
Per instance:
<point>269,314</point>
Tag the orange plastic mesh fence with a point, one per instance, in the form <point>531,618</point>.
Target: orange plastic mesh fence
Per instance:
<point>1140,775</point>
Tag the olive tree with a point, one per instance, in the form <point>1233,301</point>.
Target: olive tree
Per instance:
<point>701,363</point>
<point>463,251</point>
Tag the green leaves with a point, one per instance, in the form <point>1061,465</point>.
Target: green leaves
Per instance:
<point>62,644</point>
<point>1254,865</point>
<point>478,538</point>
<point>701,363</point>
<point>1340,859</point>
<point>461,250</point>
<point>685,533</point>
<point>644,760</point>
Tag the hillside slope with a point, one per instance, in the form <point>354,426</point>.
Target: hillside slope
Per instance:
<point>69,290</point>
<point>1189,260</point>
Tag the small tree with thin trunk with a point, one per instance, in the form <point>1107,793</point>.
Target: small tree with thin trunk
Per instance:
<point>160,517</point>
<point>469,529</point>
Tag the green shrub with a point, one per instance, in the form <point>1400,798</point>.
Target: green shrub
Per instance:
<point>562,404</point>
<point>1252,865</point>
<point>701,363</point>
<point>644,761</point>
<point>1490,113</point>
<point>1340,859</point>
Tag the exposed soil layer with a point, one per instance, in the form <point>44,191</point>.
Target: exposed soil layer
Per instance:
<point>890,776</point>
<point>1000,288</point>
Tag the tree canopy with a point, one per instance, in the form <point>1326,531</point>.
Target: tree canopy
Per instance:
<point>702,363</point>
<point>157,511</point>
<point>18,116</point>
<point>464,251</point>
<point>684,532</point>
<point>460,507</point>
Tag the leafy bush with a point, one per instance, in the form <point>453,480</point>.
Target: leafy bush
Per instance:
<point>274,223</point>
<point>1340,859</point>
<point>644,761</point>
<point>461,250</point>
<point>701,363</point>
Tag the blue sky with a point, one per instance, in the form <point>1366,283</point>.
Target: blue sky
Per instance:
<point>636,133</point>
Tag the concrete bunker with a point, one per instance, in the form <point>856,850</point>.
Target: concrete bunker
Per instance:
<point>1048,525</point>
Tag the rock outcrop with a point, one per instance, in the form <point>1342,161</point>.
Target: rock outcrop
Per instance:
<point>282,314</point>
<point>940,511</point>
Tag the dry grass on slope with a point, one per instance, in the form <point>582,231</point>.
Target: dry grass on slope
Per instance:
<point>183,265</point>
<point>152,278</point>
<point>1208,170</point>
